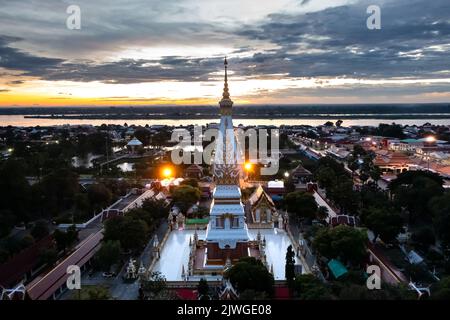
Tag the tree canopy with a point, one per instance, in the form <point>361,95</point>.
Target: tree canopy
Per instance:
<point>250,274</point>
<point>185,196</point>
<point>343,242</point>
<point>301,205</point>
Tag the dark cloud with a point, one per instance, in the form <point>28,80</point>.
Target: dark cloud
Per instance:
<point>14,59</point>
<point>414,42</point>
<point>16,82</point>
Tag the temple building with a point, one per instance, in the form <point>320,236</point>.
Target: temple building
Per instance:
<point>227,239</point>
<point>235,229</point>
<point>261,212</point>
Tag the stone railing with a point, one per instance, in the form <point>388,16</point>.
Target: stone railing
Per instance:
<point>296,248</point>
<point>160,247</point>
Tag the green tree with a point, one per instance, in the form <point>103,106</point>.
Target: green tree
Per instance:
<point>390,130</point>
<point>143,135</point>
<point>343,195</point>
<point>99,196</point>
<point>16,194</point>
<point>250,273</point>
<point>132,233</point>
<point>185,196</point>
<point>155,286</point>
<point>58,190</point>
<point>440,209</point>
<point>48,256</point>
<point>65,240</point>
<point>385,224</point>
<point>413,190</point>
<point>190,182</point>
<point>108,255</point>
<point>26,241</point>
<point>308,287</point>
<point>326,177</point>
<point>40,229</point>
<point>424,237</point>
<point>322,213</point>
<point>93,293</point>
<point>441,290</point>
<point>158,208</point>
<point>343,242</point>
<point>203,288</point>
<point>301,205</point>
<point>7,220</point>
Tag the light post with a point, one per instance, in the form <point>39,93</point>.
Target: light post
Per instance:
<point>167,172</point>
<point>430,140</point>
<point>248,167</point>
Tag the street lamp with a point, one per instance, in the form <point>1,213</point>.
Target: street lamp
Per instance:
<point>286,174</point>
<point>167,172</point>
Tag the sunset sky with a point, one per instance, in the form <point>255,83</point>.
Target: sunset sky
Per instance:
<point>144,52</point>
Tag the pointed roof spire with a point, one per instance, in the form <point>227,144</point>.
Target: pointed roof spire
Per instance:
<point>226,93</point>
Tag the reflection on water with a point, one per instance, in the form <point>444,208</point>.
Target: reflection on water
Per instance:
<point>86,162</point>
<point>20,121</point>
<point>126,167</point>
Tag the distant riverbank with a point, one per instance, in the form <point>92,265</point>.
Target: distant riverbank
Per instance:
<point>131,116</point>
<point>22,121</point>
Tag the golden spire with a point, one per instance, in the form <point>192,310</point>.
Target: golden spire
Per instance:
<point>226,93</point>
<point>225,103</point>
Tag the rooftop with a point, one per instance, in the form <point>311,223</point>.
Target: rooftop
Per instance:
<point>227,192</point>
<point>134,142</point>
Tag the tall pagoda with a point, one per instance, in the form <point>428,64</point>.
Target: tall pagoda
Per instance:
<point>227,235</point>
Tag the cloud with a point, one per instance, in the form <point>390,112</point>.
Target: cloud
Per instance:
<point>136,41</point>
<point>14,59</point>
<point>16,82</point>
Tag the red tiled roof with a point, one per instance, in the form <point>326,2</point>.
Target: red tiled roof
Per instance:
<point>13,271</point>
<point>392,159</point>
<point>344,219</point>
<point>43,287</point>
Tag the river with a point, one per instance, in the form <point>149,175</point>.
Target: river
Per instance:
<point>20,121</point>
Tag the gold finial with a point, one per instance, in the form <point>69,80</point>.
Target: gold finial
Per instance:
<point>226,93</point>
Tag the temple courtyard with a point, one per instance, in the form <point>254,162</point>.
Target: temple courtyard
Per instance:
<point>175,253</point>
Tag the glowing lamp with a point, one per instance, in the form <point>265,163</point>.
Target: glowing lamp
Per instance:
<point>167,172</point>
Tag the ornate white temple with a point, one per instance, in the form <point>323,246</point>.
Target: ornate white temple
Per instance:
<point>227,235</point>
<point>189,255</point>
